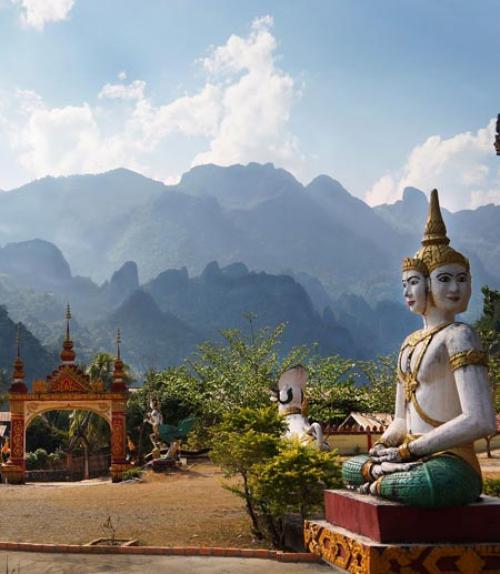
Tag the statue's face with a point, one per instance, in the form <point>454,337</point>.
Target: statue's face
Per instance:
<point>451,288</point>
<point>290,385</point>
<point>415,291</point>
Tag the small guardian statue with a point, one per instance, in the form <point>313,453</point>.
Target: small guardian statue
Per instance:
<point>293,406</point>
<point>155,419</point>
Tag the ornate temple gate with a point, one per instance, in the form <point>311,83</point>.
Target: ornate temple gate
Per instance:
<point>67,388</point>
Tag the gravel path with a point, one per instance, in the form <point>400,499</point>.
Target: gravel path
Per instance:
<point>32,563</point>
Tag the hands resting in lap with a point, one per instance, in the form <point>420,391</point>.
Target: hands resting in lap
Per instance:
<point>387,460</point>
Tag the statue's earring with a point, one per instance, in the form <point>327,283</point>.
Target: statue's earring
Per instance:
<point>430,299</point>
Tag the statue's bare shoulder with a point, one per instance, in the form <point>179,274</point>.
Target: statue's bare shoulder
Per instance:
<point>459,337</point>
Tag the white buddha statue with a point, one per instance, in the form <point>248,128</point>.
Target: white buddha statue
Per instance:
<point>443,404</point>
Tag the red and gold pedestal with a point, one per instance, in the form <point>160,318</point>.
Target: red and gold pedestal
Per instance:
<point>13,473</point>
<point>365,535</point>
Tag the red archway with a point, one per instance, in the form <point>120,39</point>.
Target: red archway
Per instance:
<point>67,388</point>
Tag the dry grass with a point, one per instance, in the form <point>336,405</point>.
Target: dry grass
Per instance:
<point>490,466</point>
<point>178,509</point>
<point>183,508</point>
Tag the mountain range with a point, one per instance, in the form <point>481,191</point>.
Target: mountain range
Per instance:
<point>314,256</point>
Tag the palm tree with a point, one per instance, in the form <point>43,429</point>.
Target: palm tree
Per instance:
<point>86,427</point>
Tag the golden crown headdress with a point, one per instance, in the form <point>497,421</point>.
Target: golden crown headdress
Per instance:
<point>435,250</point>
<point>412,263</point>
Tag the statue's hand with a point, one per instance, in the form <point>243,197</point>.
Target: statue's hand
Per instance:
<point>390,467</point>
<point>390,454</point>
<point>376,449</point>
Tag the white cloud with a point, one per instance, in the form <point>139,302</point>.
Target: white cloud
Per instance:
<point>37,13</point>
<point>240,114</point>
<point>133,91</point>
<point>463,168</point>
<point>256,104</point>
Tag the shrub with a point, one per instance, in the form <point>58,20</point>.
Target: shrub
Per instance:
<point>278,476</point>
<point>293,481</point>
<point>245,437</point>
<point>31,461</point>
<point>42,457</point>
<point>131,473</point>
<point>56,458</point>
<point>492,486</point>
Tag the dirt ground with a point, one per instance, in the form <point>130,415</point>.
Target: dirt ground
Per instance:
<point>490,466</point>
<point>184,508</point>
<point>188,508</point>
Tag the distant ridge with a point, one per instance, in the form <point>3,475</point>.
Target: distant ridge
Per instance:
<point>256,214</point>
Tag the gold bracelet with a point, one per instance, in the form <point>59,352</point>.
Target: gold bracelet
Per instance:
<point>366,470</point>
<point>404,451</point>
<point>379,442</point>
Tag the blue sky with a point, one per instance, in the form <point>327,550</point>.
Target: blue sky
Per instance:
<point>379,95</point>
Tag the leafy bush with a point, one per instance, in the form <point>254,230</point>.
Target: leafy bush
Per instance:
<point>278,476</point>
<point>31,461</point>
<point>244,438</point>
<point>492,486</point>
<point>131,473</point>
<point>55,459</point>
<point>42,457</point>
<point>293,481</point>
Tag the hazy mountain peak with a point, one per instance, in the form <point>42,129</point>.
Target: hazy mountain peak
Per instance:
<point>34,258</point>
<point>413,196</point>
<point>123,282</point>
<point>327,183</point>
<point>70,182</point>
<point>211,271</point>
<point>238,186</point>
<point>235,270</point>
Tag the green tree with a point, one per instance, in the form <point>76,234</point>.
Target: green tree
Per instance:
<point>101,368</point>
<point>332,390</point>
<point>277,476</point>
<point>218,378</point>
<point>244,438</point>
<point>293,481</point>
<point>488,327</point>
<point>380,378</point>
<point>240,371</point>
<point>91,431</point>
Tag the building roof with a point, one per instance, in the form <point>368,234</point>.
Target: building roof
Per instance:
<point>4,416</point>
<point>367,421</point>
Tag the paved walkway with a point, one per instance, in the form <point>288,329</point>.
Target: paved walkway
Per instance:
<point>43,563</point>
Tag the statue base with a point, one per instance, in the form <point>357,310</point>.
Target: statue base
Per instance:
<point>367,535</point>
<point>392,522</point>
<point>12,473</point>
<point>117,470</point>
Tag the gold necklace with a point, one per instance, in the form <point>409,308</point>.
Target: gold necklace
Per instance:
<point>409,377</point>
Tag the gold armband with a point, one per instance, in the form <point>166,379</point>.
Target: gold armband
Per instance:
<point>470,357</point>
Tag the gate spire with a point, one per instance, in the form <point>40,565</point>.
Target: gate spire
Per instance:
<point>68,354</point>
